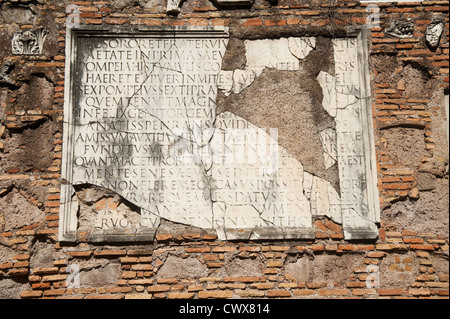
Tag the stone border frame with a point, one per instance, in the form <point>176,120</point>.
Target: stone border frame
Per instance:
<point>373,218</point>
<point>68,207</point>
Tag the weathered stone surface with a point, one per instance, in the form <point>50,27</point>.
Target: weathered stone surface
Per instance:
<point>176,267</point>
<point>99,275</point>
<point>16,211</point>
<point>32,140</point>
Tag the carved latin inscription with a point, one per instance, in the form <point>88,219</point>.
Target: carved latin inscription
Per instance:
<point>140,121</point>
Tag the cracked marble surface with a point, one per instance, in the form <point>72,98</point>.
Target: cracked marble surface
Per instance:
<point>153,137</point>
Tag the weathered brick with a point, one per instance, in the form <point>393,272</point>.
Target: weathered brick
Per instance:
<point>129,274</point>
<point>391,292</point>
<point>419,291</point>
<point>31,294</point>
<point>18,272</point>
<point>249,279</point>
<point>216,294</point>
<point>104,296</point>
<point>40,286</point>
<point>223,249</point>
<point>303,292</point>
<point>120,290</point>
<point>204,249</point>
<point>164,237</point>
<point>110,252</point>
<point>54,277</point>
<point>195,287</point>
<point>274,264</point>
<point>86,254</point>
<point>363,292</point>
<point>278,293</point>
<point>180,295</point>
<point>54,292</point>
<point>250,293</point>
<point>422,247</point>
<point>333,292</point>
<point>158,288</point>
<point>252,22</point>
<point>263,285</point>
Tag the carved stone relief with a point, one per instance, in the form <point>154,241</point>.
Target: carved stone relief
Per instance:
<point>29,42</point>
<point>433,33</point>
<point>401,29</point>
<point>4,73</point>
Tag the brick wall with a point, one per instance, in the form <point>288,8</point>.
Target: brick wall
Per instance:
<point>408,260</point>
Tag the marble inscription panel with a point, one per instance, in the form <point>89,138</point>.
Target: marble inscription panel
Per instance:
<point>140,120</point>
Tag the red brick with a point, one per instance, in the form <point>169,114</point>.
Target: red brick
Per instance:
<point>197,249</point>
<point>278,293</point>
<point>110,252</point>
<point>50,64</point>
<point>87,253</point>
<point>419,291</point>
<point>347,247</point>
<point>249,279</point>
<point>118,21</point>
<point>391,292</point>
<point>54,292</point>
<point>303,292</point>
<point>315,284</point>
<point>30,294</point>
<point>41,286</point>
<point>274,264</point>
<point>319,224</point>
<point>422,247</point>
<point>413,240</point>
<point>363,292</point>
<point>164,237</point>
<point>333,292</point>
<point>437,8</point>
<point>93,21</point>
<point>334,227</point>
<point>223,249</point>
<point>216,294</point>
<point>158,288</point>
<point>120,290</point>
<point>167,281</point>
<point>442,292</point>
<point>250,249</point>
<point>263,285</point>
<point>129,274</point>
<point>180,295</point>
<point>274,22</point>
<point>104,296</point>
<point>376,254</point>
<point>18,272</point>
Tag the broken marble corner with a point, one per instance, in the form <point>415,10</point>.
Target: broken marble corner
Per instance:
<point>177,160</point>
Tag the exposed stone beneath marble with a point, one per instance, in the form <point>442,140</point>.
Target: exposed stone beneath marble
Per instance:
<point>281,54</point>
